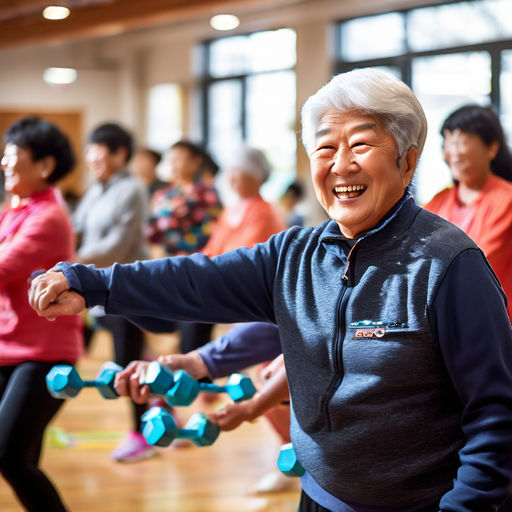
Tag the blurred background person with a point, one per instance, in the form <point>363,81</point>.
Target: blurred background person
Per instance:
<point>183,214</point>
<point>247,221</point>
<point>109,222</point>
<point>290,202</point>
<point>480,200</point>
<point>143,166</point>
<point>35,233</point>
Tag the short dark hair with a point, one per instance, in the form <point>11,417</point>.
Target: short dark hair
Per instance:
<point>114,137</point>
<point>42,139</point>
<point>207,164</point>
<point>485,123</point>
<point>296,190</point>
<point>155,155</point>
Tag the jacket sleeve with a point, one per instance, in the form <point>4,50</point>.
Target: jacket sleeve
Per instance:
<point>243,346</point>
<point>233,287</point>
<point>470,317</point>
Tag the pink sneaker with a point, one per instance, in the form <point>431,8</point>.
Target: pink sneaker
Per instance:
<point>133,448</point>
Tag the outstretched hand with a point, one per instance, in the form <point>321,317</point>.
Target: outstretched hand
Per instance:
<point>50,297</point>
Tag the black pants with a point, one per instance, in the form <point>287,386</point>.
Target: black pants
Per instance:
<point>194,335</point>
<point>26,408</point>
<point>128,346</point>
<point>308,505</point>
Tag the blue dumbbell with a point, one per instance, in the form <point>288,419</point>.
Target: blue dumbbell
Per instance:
<point>63,381</point>
<point>160,429</point>
<point>287,461</point>
<point>181,389</point>
<point>158,378</point>
<point>185,388</point>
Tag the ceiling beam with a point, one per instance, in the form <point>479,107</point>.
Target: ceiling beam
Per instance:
<point>103,19</point>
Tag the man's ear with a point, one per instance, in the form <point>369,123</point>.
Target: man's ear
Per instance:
<point>409,162</point>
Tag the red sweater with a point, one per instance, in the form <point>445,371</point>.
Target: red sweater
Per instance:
<point>35,235</point>
<point>488,221</point>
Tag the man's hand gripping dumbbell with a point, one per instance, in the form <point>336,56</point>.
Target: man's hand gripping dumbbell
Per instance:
<point>178,388</point>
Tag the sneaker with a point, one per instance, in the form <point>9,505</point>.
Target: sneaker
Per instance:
<point>133,448</point>
<point>275,481</point>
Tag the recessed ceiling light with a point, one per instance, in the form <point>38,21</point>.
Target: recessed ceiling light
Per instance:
<point>224,22</point>
<point>55,12</point>
<point>59,76</point>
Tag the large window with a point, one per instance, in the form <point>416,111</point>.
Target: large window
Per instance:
<point>249,96</point>
<point>450,55</point>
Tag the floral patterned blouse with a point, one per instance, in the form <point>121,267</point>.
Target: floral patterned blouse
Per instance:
<point>182,218</point>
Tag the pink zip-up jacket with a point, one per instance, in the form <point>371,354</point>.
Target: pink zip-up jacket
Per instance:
<point>34,235</point>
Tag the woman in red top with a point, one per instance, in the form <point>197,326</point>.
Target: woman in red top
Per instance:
<point>35,233</point>
<point>480,201</point>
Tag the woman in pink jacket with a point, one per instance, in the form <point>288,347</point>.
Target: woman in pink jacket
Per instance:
<point>35,233</point>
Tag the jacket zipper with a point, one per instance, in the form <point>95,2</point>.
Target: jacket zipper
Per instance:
<point>338,340</point>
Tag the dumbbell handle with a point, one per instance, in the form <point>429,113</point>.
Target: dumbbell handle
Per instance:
<point>92,383</point>
<point>187,433</point>
<point>210,387</point>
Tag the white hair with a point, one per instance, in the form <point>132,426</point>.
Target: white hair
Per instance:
<point>371,92</point>
<point>250,161</point>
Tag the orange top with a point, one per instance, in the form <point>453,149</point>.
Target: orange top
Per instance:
<point>244,224</point>
<point>488,221</point>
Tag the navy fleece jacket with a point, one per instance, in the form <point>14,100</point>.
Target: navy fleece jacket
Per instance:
<point>398,350</point>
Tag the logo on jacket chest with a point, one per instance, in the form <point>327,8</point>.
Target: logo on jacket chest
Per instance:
<point>370,329</point>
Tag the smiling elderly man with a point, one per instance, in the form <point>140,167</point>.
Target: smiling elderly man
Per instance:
<point>394,329</point>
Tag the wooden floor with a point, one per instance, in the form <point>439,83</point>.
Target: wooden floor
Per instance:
<point>190,479</point>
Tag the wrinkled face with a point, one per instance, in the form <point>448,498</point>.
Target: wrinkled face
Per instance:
<point>354,169</point>
<point>23,175</point>
<point>468,157</point>
<point>102,163</point>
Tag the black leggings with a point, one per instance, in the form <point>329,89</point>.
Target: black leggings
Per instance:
<point>26,408</point>
<point>128,347</point>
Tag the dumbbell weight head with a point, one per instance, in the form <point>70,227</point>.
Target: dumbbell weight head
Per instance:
<point>240,387</point>
<point>63,381</point>
<point>287,461</point>
<point>207,431</point>
<point>157,377</point>
<point>158,427</point>
<point>184,391</point>
<point>105,380</point>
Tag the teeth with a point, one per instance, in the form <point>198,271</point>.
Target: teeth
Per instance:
<point>350,188</point>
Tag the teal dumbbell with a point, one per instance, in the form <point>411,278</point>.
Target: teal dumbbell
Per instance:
<point>158,378</point>
<point>185,388</point>
<point>160,429</point>
<point>63,381</point>
<point>287,461</point>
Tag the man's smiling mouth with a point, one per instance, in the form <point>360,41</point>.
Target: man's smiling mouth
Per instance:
<point>349,191</point>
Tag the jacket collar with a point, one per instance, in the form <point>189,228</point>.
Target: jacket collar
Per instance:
<point>398,213</point>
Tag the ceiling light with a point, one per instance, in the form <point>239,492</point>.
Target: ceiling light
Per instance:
<point>55,12</point>
<point>224,22</point>
<point>59,76</point>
